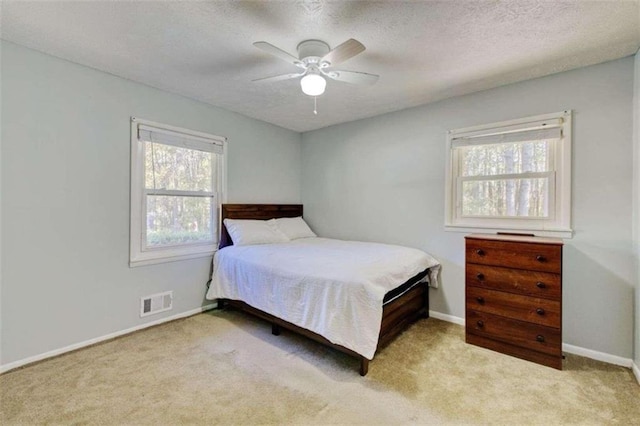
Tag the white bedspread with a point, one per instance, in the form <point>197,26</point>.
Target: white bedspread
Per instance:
<point>332,287</point>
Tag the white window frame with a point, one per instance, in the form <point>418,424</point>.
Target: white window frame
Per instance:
<point>558,223</point>
<point>139,254</point>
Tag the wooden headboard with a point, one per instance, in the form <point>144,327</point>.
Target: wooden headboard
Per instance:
<point>254,211</point>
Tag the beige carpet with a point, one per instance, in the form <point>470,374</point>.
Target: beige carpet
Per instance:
<point>227,368</point>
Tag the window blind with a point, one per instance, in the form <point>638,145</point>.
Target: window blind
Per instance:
<point>530,135</point>
<point>536,130</point>
<point>183,140</point>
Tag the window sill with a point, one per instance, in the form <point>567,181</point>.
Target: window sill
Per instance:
<point>558,233</point>
<point>134,263</point>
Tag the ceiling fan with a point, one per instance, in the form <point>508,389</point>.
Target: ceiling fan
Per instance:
<point>316,61</point>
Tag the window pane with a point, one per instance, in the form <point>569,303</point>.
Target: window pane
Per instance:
<point>174,168</point>
<point>178,220</point>
<point>505,158</point>
<point>506,198</point>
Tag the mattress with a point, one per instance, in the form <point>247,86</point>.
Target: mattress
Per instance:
<point>334,288</point>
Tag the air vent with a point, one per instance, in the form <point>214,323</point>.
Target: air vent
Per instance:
<point>156,303</point>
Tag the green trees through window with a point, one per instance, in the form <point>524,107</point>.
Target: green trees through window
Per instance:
<point>179,195</point>
<point>506,179</point>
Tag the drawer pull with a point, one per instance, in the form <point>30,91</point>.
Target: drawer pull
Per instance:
<point>541,258</point>
<point>540,284</point>
<point>480,300</point>
<point>480,252</point>
<point>540,311</point>
<point>540,338</point>
<point>480,277</point>
<point>480,323</point>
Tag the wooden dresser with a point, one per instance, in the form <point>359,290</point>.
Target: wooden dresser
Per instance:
<point>514,296</point>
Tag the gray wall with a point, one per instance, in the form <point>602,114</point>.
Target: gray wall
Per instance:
<point>1,339</point>
<point>636,198</point>
<point>382,179</point>
<point>65,198</point>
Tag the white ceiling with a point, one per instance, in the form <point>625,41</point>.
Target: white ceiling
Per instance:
<point>423,51</point>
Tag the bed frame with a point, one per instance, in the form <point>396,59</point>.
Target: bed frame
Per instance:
<point>397,314</point>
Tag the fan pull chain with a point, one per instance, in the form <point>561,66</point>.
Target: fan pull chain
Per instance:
<point>315,105</point>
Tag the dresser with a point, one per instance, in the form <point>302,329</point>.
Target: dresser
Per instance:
<point>514,296</point>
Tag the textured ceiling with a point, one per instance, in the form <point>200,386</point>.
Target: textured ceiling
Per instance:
<point>423,51</point>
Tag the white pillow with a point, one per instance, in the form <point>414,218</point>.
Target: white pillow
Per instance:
<point>244,232</point>
<point>294,227</point>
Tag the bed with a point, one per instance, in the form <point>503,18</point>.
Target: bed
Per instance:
<point>352,296</point>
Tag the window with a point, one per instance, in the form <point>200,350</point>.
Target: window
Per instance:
<point>512,176</point>
<point>177,185</point>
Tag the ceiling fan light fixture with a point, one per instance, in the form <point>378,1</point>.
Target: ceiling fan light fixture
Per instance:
<point>317,61</point>
<point>313,84</point>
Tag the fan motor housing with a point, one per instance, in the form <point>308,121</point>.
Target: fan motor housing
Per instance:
<point>312,49</point>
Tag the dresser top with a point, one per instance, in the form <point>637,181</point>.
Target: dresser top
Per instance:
<point>516,238</point>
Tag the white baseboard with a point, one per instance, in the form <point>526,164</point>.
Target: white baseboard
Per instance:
<point>12,365</point>
<point>598,356</point>
<point>576,350</point>
<point>446,317</point>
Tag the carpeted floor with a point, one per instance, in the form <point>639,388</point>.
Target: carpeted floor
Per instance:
<point>223,367</point>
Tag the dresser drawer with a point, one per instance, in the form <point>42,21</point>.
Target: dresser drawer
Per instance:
<point>531,336</point>
<point>529,283</point>
<point>519,255</point>
<point>524,308</point>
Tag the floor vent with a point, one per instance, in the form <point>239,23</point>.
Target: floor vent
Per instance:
<point>156,303</point>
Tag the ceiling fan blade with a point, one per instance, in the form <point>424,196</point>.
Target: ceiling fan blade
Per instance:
<point>354,77</point>
<point>277,52</point>
<point>279,77</point>
<point>341,53</point>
